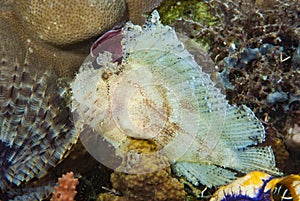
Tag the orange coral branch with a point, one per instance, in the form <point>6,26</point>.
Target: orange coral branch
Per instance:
<point>66,189</point>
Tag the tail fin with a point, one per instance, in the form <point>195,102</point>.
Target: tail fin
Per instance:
<point>242,128</point>
<point>207,174</point>
<point>256,158</point>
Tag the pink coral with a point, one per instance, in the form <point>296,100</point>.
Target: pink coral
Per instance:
<point>66,189</point>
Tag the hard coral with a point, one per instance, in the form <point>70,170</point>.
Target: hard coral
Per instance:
<point>60,31</point>
<point>138,8</point>
<point>65,22</point>
<point>66,189</point>
<point>152,186</point>
<point>18,40</point>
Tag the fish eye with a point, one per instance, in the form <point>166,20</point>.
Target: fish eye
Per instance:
<point>105,75</point>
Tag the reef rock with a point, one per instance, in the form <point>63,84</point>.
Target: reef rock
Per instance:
<point>152,186</point>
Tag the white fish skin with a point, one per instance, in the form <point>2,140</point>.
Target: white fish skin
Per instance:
<point>159,92</point>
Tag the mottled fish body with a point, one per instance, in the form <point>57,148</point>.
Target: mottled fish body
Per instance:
<point>157,91</point>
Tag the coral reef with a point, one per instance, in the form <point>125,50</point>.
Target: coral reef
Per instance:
<point>234,34</point>
<point>259,78</point>
<point>36,130</point>
<point>64,22</point>
<point>138,8</point>
<point>293,139</point>
<point>195,10</point>
<point>66,189</point>
<point>35,69</point>
<point>54,29</point>
<point>63,62</point>
<point>234,23</point>
<point>90,173</point>
<point>255,45</point>
<point>154,186</point>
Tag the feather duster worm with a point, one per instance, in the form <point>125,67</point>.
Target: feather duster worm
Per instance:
<point>35,127</point>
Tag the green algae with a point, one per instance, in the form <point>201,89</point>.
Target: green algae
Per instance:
<point>195,10</point>
<point>196,13</point>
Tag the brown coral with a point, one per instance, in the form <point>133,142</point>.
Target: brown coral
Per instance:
<point>45,25</point>
<point>16,40</point>
<point>66,189</point>
<point>65,22</point>
<point>137,8</point>
<point>152,186</point>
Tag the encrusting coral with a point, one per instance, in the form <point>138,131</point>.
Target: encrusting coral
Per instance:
<point>157,185</point>
<point>66,189</point>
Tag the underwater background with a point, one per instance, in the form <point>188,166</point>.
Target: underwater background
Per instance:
<point>250,48</point>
